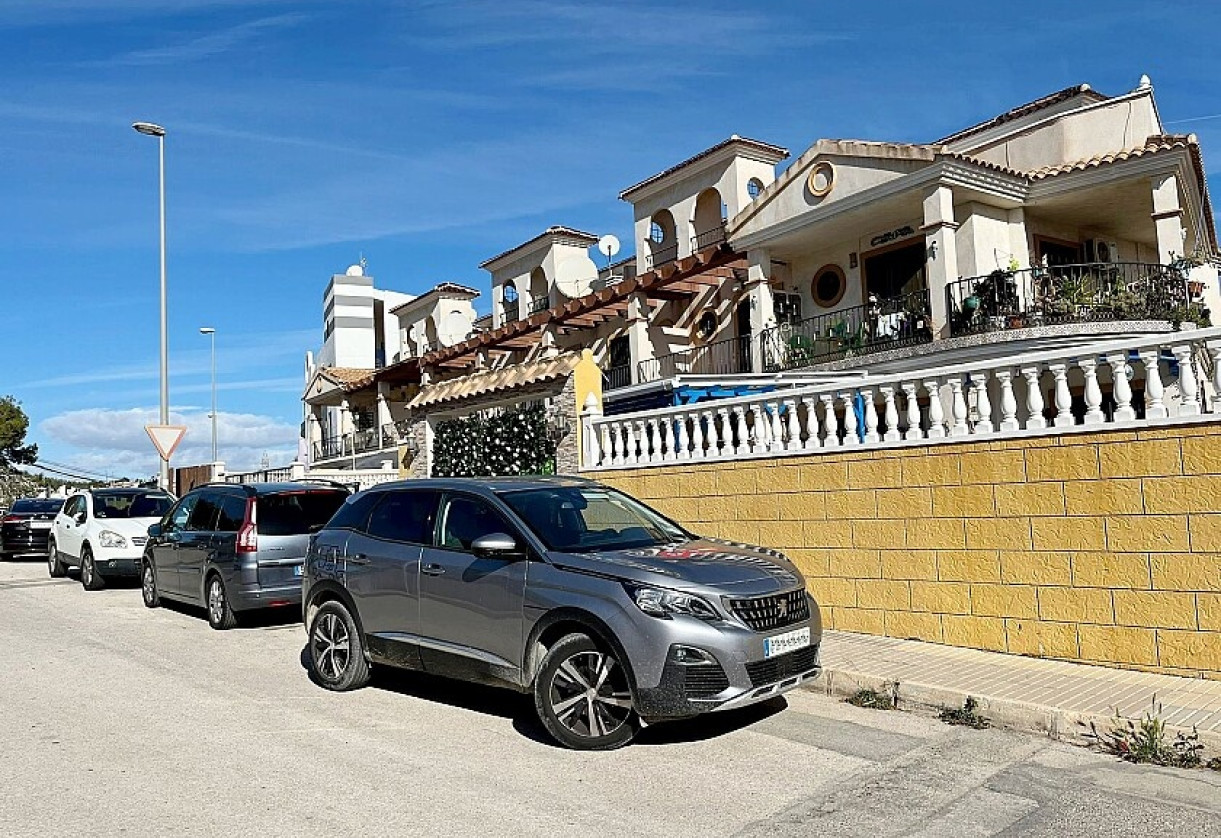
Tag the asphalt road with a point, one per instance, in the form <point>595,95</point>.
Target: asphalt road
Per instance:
<point>122,721</point>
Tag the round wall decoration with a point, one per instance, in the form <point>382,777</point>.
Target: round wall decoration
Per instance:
<point>828,286</point>
<point>821,179</point>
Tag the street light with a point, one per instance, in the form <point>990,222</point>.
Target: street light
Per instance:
<point>210,332</point>
<point>152,130</point>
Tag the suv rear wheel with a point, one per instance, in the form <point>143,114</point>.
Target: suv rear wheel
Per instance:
<point>582,696</point>
<point>220,613</point>
<point>336,650</point>
<point>91,580</point>
<point>55,567</point>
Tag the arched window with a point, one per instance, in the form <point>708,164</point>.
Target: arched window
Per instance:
<point>753,187</point>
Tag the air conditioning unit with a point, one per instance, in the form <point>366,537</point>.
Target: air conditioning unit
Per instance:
<point>1101,250</point>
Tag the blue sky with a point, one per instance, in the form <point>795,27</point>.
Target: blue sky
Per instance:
<point>429,136</point>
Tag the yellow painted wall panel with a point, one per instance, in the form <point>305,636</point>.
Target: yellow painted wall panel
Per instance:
<point>1148,458</point>
<point>857,564</point>
<point>1176,495</point>
<point>910,502</point>
<point>999,533</point>
<point>974,632</point>
<point>931,470</point>
<point>1092,497</point>
<point>1051,534</point>
<point>1198,650</point>
<point>864,620</point>
<point>827,533</point>
<point>1029,568</point>
<point>822,477</point>
<point>829,591</point>
<point>993,467</point>
<point>912,626</point>
<point>886,594</point>
<point>1041,639</point>
<point>852,503</point>
<point>1118,644</point>
<point>1111,570</point>
<point>941,597</point>
<point>1076,605</point>
<point>1060,463</point>
<point>1154,609</point>
<point>1186,571</point>
<point>1201,455</point>
<point>968,565</point>
<point>963,502</point>
<point>990,600</point>
<point>781,535</point>
<point>880,473</point>
<point>936,534</point>
<point>1205,533</point>
<point>1208,611</point>
<point>1151,533</point>
<point>1029,499</point>
<point>803,506</point>
<point>909,564</point>
<point>879,534</point>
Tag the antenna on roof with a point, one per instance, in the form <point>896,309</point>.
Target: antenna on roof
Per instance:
<point>363,262</point>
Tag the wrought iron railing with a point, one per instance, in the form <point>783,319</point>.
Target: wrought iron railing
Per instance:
<point>878,325</point>
<point>722,357</point>
<point>617,376</point>
<point>540,303</point>
<point>661,256</point>
<point>1103,291</point>
<point>330,447</point>
<point>708,238</point>
<point>511,309</point>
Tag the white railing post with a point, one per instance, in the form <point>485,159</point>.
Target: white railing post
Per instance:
<point>681,441</point>
<point>1009,420</point>
<point>794,426</point>
<point>589,434</point>
<point>697,435</point>
<point>1093,393</point>
<point>629,452</point>
<point>811,404</point>
<point>1155,407</point>
<point>936,414</point>
<point>983,404</point>
<point>871,417</point>
<point>668,454</point>
<point>1188,387</point>
<point>850,435</point>
<point>1034,398</point>
<point>891,412</point>
<point>717,440</point>
<point>830,437</point>
<point>1064,399</point>
<point>1120,388</point>
<point>742,432</point>
<point>1214,351</point>
<point>913,411</point>
<point>776,443</point>
<point>605,438</point>
<point>959,408</point>
<point>617,444</point>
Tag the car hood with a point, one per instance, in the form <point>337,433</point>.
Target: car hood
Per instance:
<point>130,527</point>
<point>704,563</point>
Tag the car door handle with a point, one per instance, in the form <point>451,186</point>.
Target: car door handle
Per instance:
<point>358,558</point>
<point>432,570</point>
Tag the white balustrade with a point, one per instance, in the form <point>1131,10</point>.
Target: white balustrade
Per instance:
<point>774,424</point>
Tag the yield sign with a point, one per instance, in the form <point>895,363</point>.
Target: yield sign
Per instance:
<point>166,438</point>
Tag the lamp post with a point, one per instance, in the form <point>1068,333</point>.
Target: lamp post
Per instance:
<point>210,332</point>
<point>153,130</point>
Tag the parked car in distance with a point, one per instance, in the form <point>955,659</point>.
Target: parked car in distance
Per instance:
<point>234,547</point>
<point>103,531</point>
<point>607,612</point>
<point>26,528</point>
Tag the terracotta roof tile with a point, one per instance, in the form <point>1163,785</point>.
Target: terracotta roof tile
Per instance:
<point>349,378</point>
<point>1026,109</point>
<point>491,381</point>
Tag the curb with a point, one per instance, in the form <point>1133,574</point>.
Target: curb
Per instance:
<point>929,700</point>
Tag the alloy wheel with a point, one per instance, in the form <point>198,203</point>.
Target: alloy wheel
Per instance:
<point>330,646</point>
<point>216,600</point>
<point>589,695</point>
<point>148,586</point>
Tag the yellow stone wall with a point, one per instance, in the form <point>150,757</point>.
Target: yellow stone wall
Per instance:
<point>1099,547</point>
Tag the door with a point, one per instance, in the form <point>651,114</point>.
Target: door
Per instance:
<point>742,324</point>
<point>166,551</point>
<point>384,563</point>
<point>471,607</point>
<point>68,533</point>
<point>195,544</point>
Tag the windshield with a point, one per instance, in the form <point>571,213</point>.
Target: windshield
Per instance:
<point>297,513</point>
<point>36,505</point>
<point>589,518</point>
<point>130,505</point>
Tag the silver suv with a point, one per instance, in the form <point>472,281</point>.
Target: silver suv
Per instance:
<point>610,614</point>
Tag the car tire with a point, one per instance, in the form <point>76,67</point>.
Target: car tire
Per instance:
<point>583,697</point>
<point>91,580</point>
<point>148,585</point>
<point>336,649</point>
<point>216,601</point>
<point>55,568</point>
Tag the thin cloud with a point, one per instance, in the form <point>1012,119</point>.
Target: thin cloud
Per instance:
<point>66,12</point>
<point>206,46</point>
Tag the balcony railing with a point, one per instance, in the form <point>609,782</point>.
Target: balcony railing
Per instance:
<point>722,357</point>
<point>708,238</point>
<point>364,441</point>
<point>1085,293</point>
<point>511,309</point>
<point>617,376</point>
<point>661,256</point>
<point>881,324</point>
<point>541,303</point>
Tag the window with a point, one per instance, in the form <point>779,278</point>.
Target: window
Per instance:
<point>510,293</point>
<point>829,285</point>
<point>74,505</point>
<point>753,187</point>
<point>620,352</point>
<point>203,516</point>
<point>355,511</point>
<point>656,233</point>
<point>232,513</point>
<point>707,325</point>
<point>178,516</point>
<point>111,504</point>
<point>581,520</point>
<point>35,505</point>
<point>788,308</point>
<point>405,516</point>
<point>296,513</point>
<point>467,519</point>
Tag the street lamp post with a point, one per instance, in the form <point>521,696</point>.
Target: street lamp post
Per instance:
<point>210,332</point>
<point>152,130</point>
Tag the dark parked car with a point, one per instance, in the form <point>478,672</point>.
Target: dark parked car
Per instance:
<point>24,529</point>
<point>236,547</point>
<point>607,612</point>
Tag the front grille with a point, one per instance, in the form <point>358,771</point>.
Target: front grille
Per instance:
<point>139,540</point>
<point>782,667</point>
<point>768,612</point>
<point>704,680</point>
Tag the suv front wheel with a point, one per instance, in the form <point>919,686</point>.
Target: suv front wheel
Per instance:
<point>336,651</point>
<point>582,696</point>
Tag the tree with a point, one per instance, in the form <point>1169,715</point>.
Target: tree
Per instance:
<point>13,426</point>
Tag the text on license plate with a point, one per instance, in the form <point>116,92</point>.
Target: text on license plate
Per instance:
<point>297,569</point>
<point>40,525</point>
<point>787,642</point>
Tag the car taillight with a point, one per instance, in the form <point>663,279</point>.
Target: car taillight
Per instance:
<point>247,536</point>
<point>12,519</point>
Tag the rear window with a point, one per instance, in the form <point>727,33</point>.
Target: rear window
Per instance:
<point>37,505</point>
<point>296,513</point>
<point>130,505</point>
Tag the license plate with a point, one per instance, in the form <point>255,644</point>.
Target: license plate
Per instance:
<point>790,641</point>
<point>40,525</point>
<point>298,569</point>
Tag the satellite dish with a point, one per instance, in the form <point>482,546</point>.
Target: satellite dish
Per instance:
<point>575,276</point>
<point>608,246</point>
<point>453,328</point>
<point>356,270</point>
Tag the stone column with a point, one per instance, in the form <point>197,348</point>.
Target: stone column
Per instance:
<point>942,263</point>
<point>639,344</point>
<point>498,296</point>
<point>762,303</point>
<point>1167,218</point>
<point>1019,250</point>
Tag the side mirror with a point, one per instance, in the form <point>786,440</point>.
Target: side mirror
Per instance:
<point>496,545</point>
<point>154,530</point>
<point>79,517</point>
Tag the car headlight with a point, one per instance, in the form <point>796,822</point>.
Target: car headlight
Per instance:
<point>662,603</point>
<point>110,538</point>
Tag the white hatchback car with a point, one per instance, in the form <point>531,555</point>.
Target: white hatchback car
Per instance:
<point>103,532</point>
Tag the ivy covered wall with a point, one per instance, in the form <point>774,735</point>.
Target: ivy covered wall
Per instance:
<point>502,443</point>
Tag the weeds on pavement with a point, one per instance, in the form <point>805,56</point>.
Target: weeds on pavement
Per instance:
<point>1147,741</point>
<point>872,699</point>
<point>965,715</point>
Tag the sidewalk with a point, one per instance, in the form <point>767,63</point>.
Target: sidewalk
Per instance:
<point>1056,698</point>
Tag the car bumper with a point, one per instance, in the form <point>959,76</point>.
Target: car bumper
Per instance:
<point>246,598</point>
<point>17,545</point>
<point>110,566</point>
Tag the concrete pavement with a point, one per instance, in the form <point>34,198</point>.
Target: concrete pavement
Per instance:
<point>120,720</point>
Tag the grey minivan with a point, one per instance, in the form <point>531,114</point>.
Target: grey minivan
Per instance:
<point>609,613</point>
<point>234,547</point>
